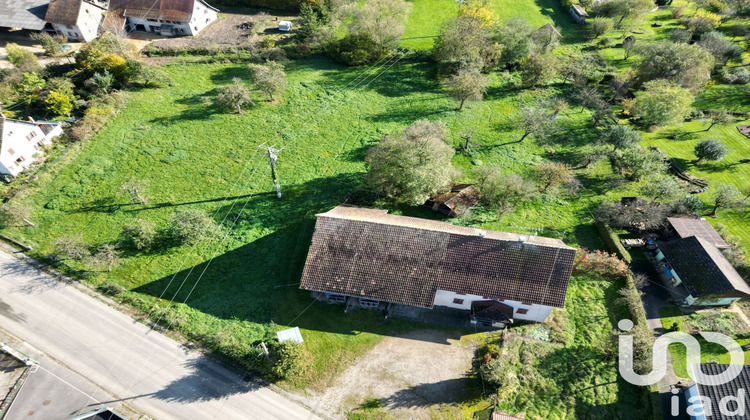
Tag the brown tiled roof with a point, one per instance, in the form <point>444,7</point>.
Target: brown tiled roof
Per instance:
<point>180,10</point>
<point>464,195</point>
<point>369,253</point>
<point>114,21</point>
<point>686,227</point>
<point>703,269</point>
<point>63,12</point>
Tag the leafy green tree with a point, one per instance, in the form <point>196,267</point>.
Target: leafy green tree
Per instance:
<point>463,44</point>
<point>384,21</point>
<point>710,149</point>
<point>515,37</point>
<point>555,175</point>
<point>685,64</point>
<point>269,78</point>
<point>234,95</point>
<point>662,103</point>
<point>502,192</point>
<point>599,26</point>
<point>30,87</point>
<point>139,234</point>
<point>539,118</point>
<point>637,162</point>
<point>546,38</point>
<point>726,196</point>
<point>718,116</point>
<point>309,22</point>
<point>538,69</point>
<point>624,11</point>
<point>467,85</point>
<point>191,226</point>
<point>413,165</point>
<point>58,103</point>
<point>720,47</point>
<point>662,188</point>
<point>621,137</point>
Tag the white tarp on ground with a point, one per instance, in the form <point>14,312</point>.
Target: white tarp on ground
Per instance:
<point>292,334</point>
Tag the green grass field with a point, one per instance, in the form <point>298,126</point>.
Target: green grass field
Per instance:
<point>240,287</point>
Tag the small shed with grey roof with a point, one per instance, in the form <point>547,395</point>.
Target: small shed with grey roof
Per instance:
<point>703,270</point>
<point>686,227</point>
<point>381,259</point>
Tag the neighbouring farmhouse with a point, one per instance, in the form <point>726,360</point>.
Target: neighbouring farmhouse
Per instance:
<point>697,265</point>
<point>21,141</point>
<point>84,20</point>
<point>707,400</point>
<point>163,17</point>
<point>79,20</point>
<point>368,258</point>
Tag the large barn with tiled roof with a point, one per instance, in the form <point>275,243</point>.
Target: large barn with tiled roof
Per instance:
<point>381,259</point>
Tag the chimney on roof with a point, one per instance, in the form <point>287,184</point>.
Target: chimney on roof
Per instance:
<point>521,239</point>
<point>31,119</point>
<point>481,234</point>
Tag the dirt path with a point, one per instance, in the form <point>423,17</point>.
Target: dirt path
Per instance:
<point>412,375</point>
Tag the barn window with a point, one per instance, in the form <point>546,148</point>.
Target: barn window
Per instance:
<point>19,161</point>
<point>458,301</point>
<point>31,135</point>
<point>522,311</point>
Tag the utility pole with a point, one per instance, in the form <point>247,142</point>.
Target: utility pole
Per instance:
<point>272,156</point>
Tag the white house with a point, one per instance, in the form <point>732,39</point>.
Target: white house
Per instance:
<point>164,17</point>
<point>22,141</point>
<point>79,20</point>
<point>392,263</point>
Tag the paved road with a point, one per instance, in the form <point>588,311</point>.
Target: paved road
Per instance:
<point>143,369</point>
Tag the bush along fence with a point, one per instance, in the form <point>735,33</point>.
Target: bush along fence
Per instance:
<point>613,242</point>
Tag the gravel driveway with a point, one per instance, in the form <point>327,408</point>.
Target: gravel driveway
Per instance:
<point>412,375</point>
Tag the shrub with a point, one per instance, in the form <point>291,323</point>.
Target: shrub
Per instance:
<point>692,203</point>
<point>734,75</point>
<point>58,103</point>
<point>71,247</point>
<point>289,360</point>
<point>52,44</point>
<point>355,50</point>
<point>14,214</point>
<point>111,289</point>
<point>495,373</point>
<point>140,234</point>
<point>21,57</point>
<point>601,264</point>
<point>191,226</point>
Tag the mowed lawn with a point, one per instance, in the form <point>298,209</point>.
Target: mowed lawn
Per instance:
<point>427,17</point>
<point>727,171</point>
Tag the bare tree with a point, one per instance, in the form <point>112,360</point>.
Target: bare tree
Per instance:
<point>137,190</point>
<point>502,192</point>
<point>538,118</point>
<point>269,78</point>
<point>235,95</point>
<point>106,257</point>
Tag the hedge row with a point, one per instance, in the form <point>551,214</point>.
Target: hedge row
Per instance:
<point>613,242</point>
